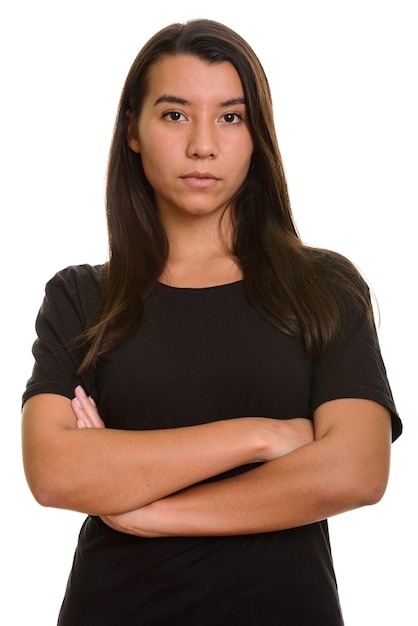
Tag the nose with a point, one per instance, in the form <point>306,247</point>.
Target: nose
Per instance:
<point>202,141</point>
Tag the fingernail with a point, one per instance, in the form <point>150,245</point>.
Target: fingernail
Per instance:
<point>81,391</point>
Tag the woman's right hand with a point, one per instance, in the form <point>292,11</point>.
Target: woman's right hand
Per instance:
<point>85,410</point>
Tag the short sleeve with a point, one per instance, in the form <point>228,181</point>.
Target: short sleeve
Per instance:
<point>353,368</point>
<point>69,302</point>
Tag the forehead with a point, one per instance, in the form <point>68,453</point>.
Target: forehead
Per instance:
<point>191,78</point>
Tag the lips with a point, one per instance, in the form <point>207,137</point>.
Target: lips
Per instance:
<point>200,180</point>
<point>200,175</point>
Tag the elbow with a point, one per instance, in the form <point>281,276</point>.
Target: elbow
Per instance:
<point>368,490</point>
<point>372,481</point>
<point>45,498</point>
<point>365,478</point>
<point>50,484</point>
<point>352,492</point>
<point>44,485</point>
<point>367,497</point>
<point>373,493</point>
<point>44,493</point>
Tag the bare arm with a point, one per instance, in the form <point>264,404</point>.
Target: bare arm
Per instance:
<point>100,471</point>
<point>346,467</point>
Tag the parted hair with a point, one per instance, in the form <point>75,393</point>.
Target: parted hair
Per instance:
<point>296,288</point>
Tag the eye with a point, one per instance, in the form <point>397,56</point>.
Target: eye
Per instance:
<point>174,116</point>
<point>232,118</point>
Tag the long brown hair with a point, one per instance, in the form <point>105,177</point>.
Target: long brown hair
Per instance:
<point>282,277</point>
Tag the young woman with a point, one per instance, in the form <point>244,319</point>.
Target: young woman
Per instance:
<point>215,391</point>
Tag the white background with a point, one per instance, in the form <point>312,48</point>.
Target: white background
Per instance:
<point>344,79</point>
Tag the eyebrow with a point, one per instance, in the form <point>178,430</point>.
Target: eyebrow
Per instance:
<point>176,100</point>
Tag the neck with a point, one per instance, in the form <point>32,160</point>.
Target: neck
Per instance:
<point>200,254</point>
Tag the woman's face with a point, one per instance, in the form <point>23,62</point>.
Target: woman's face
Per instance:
<point>192,136</point>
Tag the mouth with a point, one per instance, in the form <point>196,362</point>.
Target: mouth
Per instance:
<point>200,180</point>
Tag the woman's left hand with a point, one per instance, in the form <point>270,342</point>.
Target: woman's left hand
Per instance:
<point>139,522</point>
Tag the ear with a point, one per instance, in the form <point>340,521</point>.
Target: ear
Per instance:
<point>132,134</point>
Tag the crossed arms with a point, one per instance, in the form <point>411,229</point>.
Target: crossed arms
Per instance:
<point>146,483</point>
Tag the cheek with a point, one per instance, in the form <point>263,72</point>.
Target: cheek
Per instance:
<point>159,150</point>
<point>154,162</point>
<point>244,162</point>
<point>245,151</point>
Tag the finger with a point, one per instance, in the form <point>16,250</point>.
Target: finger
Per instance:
<point>87,409</point>
<point>82,419</point>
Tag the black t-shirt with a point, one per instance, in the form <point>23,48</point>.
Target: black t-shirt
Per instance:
<point>200,355</point>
